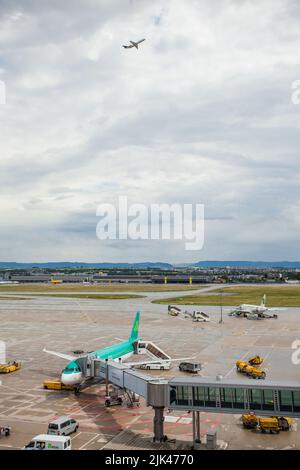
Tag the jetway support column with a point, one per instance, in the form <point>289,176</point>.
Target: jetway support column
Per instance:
<point>196,430</point>
<point>158,424</point>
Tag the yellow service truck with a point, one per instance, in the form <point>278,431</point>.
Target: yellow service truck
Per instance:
<point>271,424</point>
<point>56,385</point>
<point>250,371</point>
<point>9,367</point>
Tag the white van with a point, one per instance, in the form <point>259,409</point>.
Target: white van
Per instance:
<point>63,426</point>
<point>46,442</point>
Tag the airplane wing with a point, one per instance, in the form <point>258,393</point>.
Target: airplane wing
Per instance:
<point>128,47</point>
<point>134,44</point>
<point>67,357</point>
<point>157,361</point>
<point>139,42</point>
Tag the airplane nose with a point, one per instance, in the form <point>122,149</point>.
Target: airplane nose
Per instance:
<point>71,379</point>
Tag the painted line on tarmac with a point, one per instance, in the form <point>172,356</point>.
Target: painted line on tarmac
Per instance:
<point>89,442</point>
<point>76,435</point>
<point>234,367</point>
<point>13,390</point>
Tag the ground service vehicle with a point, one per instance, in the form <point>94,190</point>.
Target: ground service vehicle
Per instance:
<point>164,365</point>
<point>9,367</point>
<point>255,361</point>
<point>191,367</point>
<point>62,426</point>
<point>115,397</point>
<point>200,317</point>
<point>250,371</point>
<point>56,385</point>
<point>240,365</point>
<point>5,431</point>
<point>46,442</point>
<point>173,311</point>
<point>271,424</point>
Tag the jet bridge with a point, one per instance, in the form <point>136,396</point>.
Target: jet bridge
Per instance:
<point>196,394</point>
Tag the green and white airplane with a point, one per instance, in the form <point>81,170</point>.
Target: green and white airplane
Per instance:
<point>73,375</point>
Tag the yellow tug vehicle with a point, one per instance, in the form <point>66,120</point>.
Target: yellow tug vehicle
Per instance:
<point>251,371</point>
<point>271,424</point>
<point>255,361</point>
<point>9,367</point>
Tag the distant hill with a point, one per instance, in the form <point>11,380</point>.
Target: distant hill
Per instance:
<point>155,265</point>
<point>248,264</point>
<point>145,265</point>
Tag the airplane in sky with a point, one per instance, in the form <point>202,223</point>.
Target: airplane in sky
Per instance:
<point>134,44</point>
<point>72,373</point>
<point>244,310</point>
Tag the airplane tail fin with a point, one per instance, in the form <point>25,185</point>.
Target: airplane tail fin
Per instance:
<point>263,301</point>
<point>135,328</point>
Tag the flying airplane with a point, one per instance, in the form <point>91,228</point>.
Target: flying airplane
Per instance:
<point>244,310</point>
<point>72,373</point>
<point>134,44</point>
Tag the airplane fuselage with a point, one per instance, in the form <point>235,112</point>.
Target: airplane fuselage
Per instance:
<point>252,308</point>
<point>72,375</point>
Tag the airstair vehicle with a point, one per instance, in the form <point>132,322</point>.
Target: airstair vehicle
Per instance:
<point>154,353</point>
<point>173,311</point>
<point>196,316</point>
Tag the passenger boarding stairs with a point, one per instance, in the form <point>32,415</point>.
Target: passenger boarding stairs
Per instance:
<point>152,350</point>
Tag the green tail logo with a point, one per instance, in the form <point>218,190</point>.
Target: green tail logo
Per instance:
<point>135,329</point>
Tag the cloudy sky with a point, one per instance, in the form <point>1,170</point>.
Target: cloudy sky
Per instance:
<point>202,113</point>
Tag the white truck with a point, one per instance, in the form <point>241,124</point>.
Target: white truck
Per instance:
<point>49,442</point>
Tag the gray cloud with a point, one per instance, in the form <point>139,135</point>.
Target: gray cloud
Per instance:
<point>201,113</point>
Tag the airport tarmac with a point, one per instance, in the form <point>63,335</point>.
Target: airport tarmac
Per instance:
<point>66,324</point>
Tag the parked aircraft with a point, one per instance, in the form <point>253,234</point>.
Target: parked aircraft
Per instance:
<point>73,374</point>
<point>244,310</point>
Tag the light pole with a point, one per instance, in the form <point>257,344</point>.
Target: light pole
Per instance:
<point>221,305</point>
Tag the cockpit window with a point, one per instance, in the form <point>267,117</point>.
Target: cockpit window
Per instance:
<point>71,368</point>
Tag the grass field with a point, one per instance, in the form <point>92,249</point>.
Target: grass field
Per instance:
<point>277,296</point>
<point>3,297</point>
<point>78,288</point>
